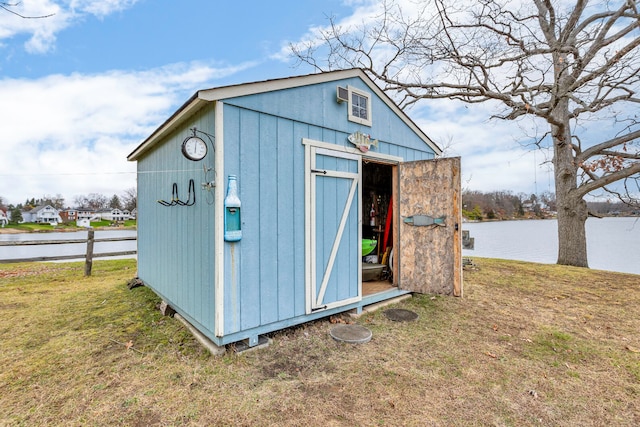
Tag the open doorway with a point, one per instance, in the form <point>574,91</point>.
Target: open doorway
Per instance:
<point>377,229</point>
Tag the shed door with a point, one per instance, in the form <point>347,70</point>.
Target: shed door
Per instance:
<point>430,258</point>
<point>333,218</point>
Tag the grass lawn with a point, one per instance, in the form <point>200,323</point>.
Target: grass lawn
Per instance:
<point>529,344</point>
<point>29,227</point>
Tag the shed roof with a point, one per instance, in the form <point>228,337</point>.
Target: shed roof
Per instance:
<point>203,97</point>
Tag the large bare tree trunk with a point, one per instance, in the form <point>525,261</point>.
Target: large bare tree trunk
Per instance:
<point>572,239</point>
<point>572,209</point>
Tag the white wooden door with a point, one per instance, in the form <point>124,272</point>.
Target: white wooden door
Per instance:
<point>333,228</point>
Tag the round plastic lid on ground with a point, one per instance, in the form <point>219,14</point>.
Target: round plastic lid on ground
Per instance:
<point>400,315</point>
<point>352,334</point>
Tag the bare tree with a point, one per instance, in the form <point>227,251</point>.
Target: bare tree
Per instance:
<point>12,8</point>
<point>56,201</point>
<point>93,201</point>
<point>130,199</point>
<point>568,65</point>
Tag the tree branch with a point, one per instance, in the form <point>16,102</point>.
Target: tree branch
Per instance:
<point>607,179</point>
<point>7,6</point>
<point>599,148</point>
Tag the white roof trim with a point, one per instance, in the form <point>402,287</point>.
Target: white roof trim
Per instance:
<point>277,84</point>
<point>208,95</point>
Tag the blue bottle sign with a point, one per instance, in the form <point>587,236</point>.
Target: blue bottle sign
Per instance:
<point>232,221</point>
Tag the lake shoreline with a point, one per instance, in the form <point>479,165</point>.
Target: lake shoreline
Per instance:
<point>6,230</point>
<point>475,221</point>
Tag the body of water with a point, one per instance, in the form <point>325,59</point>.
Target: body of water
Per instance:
<point>612,243</point>
<point>80,249</point>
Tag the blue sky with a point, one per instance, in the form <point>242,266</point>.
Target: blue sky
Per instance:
<point>81,89</point>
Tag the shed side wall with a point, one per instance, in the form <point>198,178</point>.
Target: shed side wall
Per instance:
<point>176,243</point>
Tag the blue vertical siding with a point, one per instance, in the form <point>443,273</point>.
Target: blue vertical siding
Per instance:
<point>287,175</point>
<point>246,125</point>
<point>175,244</point>
<point>268,208</point>
<point>260,150</point>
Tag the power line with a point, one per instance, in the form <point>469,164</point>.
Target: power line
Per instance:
<point>66,174</point>
<point>99,173</point>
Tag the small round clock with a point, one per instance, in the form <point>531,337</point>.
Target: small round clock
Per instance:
<point>194,148</point>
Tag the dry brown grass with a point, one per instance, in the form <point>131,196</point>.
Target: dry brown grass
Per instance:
<point>529,344</point>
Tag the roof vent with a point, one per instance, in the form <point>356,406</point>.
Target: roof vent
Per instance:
<point>342,95</point>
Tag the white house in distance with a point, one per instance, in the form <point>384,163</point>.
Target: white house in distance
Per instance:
<point>4,220</point>
<point>115,215</point>
<point>84,217</point>
<point>88,215</point>
<point>42,214</point>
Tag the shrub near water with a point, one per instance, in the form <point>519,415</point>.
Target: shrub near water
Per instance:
<point>529,344</point>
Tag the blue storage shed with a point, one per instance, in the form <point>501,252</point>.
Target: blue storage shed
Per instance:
<point>256,202</point>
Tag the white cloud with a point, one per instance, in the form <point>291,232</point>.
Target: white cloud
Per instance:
<point>70,134</point>
<point>100,8</point>
<point>58,15</point>
<point>496,155</point>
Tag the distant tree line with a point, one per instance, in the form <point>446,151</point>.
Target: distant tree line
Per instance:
<point>478,206</point>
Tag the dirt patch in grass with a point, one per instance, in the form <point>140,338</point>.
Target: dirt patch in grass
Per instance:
<point>529,344</point>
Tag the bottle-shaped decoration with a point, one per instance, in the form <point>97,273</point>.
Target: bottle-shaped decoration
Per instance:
<point>232,222</point>
<point>372,216</point>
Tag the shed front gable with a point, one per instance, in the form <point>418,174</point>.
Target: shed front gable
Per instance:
<point>318,105</point>
<point>279,102</point>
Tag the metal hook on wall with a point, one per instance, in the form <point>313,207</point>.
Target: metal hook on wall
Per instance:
<point>175,199</point>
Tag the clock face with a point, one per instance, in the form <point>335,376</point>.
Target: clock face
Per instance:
<point>194,148</point>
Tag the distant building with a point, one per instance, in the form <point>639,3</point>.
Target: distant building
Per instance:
<point>87,214</point>
<point>115,215</point>
<point>42,214</point>
<point>4,219</point>
<point>84,222</point>
<point>69,215</point>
